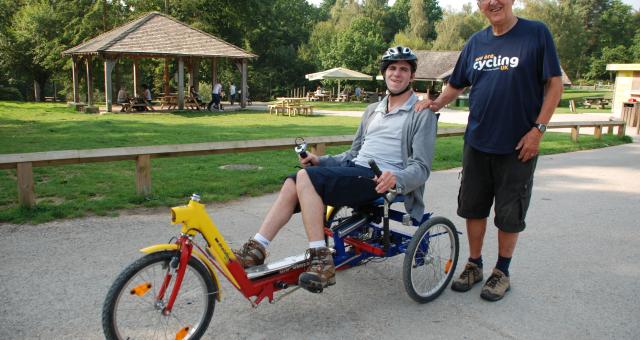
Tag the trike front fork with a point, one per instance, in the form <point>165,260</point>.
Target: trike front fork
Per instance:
<point>185,246</point>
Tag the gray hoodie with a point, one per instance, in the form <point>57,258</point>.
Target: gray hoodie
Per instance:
<point>418,143</point>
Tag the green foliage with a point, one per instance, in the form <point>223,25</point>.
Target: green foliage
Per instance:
<point>457,27</point>
<point>616,55</point>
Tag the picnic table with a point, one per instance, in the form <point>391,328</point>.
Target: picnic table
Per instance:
<point>342,98</point>
<point>291,106</point>
<point>169,101</point>
<point>597,102</point>
<point>138,104</point>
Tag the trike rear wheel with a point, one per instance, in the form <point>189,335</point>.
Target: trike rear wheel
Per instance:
<point>431,259</point>
<point>132,309</point>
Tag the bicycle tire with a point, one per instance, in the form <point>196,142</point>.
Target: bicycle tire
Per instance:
<point>432,253</point>
<point>198,291</point>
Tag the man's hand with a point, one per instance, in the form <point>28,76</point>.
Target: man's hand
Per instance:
<point>427,104</point>
<point>385,182</point>
<point>310,160</point>
<point>529,145</point>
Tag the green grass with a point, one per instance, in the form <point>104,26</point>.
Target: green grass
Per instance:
<point>103,188</point>
<point>568,94</point>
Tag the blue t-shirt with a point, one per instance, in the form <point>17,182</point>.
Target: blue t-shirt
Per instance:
<point>508,74</point>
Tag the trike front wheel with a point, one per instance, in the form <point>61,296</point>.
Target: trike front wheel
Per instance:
<point>431,259</point>
<point>133,308</point>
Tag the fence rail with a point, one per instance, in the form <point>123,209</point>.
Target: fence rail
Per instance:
<point>24,162</point>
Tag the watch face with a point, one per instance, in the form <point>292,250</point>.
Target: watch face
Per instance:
<point>542,127</point>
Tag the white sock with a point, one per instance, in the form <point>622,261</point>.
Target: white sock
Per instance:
<point>317,244</point>
<point>262,240</point>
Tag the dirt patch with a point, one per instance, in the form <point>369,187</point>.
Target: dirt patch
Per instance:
<point>240,167</point>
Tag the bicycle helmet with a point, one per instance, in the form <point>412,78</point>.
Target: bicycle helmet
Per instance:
<point>395,54</point>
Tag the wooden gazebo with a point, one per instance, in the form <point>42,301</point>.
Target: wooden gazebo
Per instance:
<point>155,35</point>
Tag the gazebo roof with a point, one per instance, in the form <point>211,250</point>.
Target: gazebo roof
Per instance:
<point>158,35</point>
<point>435,65</point>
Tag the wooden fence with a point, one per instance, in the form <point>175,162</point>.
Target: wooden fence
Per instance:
<point>24,162</point>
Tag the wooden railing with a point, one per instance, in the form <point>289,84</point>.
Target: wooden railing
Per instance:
<point>24,162</point>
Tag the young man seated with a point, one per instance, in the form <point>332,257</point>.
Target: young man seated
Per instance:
<point>392,133</point>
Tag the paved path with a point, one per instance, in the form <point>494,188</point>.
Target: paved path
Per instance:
<point>575,273</point>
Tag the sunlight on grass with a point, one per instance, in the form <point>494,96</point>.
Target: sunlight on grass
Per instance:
<point>103,188</point>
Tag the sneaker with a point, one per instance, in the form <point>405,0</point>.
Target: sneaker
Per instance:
<point>321,272</point>
<point>252,254</point>
<point>496,286</point>
<point>471,275</point>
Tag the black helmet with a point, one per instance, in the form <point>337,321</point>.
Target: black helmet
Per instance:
<point>396,54</point>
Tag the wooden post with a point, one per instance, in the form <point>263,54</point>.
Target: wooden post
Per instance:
<point>165,77</point>
<point>89,81</point>
<point>621,130</point>
<point>195,75</point>
<point>135,77</point>
<point>75,75</point>
<point>318,149</point>
<point>180,84</point>
<point>597,132</point>
<point>214,72</point>
<point>26,194</point>
<point>143,175</point>
<point>575,131</point>
<point>245,88</point>
<point>108,89</point>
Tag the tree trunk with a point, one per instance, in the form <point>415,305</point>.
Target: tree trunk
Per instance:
<point>37,91</point>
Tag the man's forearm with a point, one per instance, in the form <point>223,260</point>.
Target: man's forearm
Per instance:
<point>448,94</point>
<point>552,95</point>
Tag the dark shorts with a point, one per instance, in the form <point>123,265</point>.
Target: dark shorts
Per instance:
<point>343,185</point>
<point>505,178</point>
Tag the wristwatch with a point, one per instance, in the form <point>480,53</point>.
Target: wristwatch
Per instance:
<point>541,127</point>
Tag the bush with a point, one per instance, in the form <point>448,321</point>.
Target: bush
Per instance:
<point>10,93</point>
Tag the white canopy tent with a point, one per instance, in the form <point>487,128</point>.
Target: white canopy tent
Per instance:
<point>338,73</point>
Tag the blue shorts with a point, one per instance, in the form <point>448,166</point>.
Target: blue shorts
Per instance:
<point>351,185</point>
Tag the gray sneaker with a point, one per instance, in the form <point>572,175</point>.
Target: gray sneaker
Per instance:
<point>496,286</point>
<point>471,275</point>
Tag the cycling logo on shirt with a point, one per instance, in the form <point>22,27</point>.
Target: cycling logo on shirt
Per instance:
<point>491,62</point>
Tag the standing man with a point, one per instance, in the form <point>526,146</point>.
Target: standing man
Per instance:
<point>515,78</point>
<point>232,93</point>
<point>215,96</point>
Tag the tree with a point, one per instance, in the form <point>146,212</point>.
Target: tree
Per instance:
<point>359,47</point>
<point>615,55</point>
<point>457,27</point>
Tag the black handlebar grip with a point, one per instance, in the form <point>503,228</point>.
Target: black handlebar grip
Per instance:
<point>375,168</point>
<point>303,154</point>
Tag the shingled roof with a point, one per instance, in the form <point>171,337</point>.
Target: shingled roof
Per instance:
<point>158,35</point>
<point>435,65</point>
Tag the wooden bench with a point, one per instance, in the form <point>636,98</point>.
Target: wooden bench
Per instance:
<point>24,162</point>
<point>597,125</point>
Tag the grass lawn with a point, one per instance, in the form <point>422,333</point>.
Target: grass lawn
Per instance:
<point>350,106</point>
<point>103,188</point>
<point>568,94</point>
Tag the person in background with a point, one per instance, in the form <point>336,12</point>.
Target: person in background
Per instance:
<point>146,97</point>
<point>232,93</point>
<point>216,93</point>
<point>123,98</point>
<point>513,70</point>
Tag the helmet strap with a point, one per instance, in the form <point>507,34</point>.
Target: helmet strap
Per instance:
<point>401,92</point>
